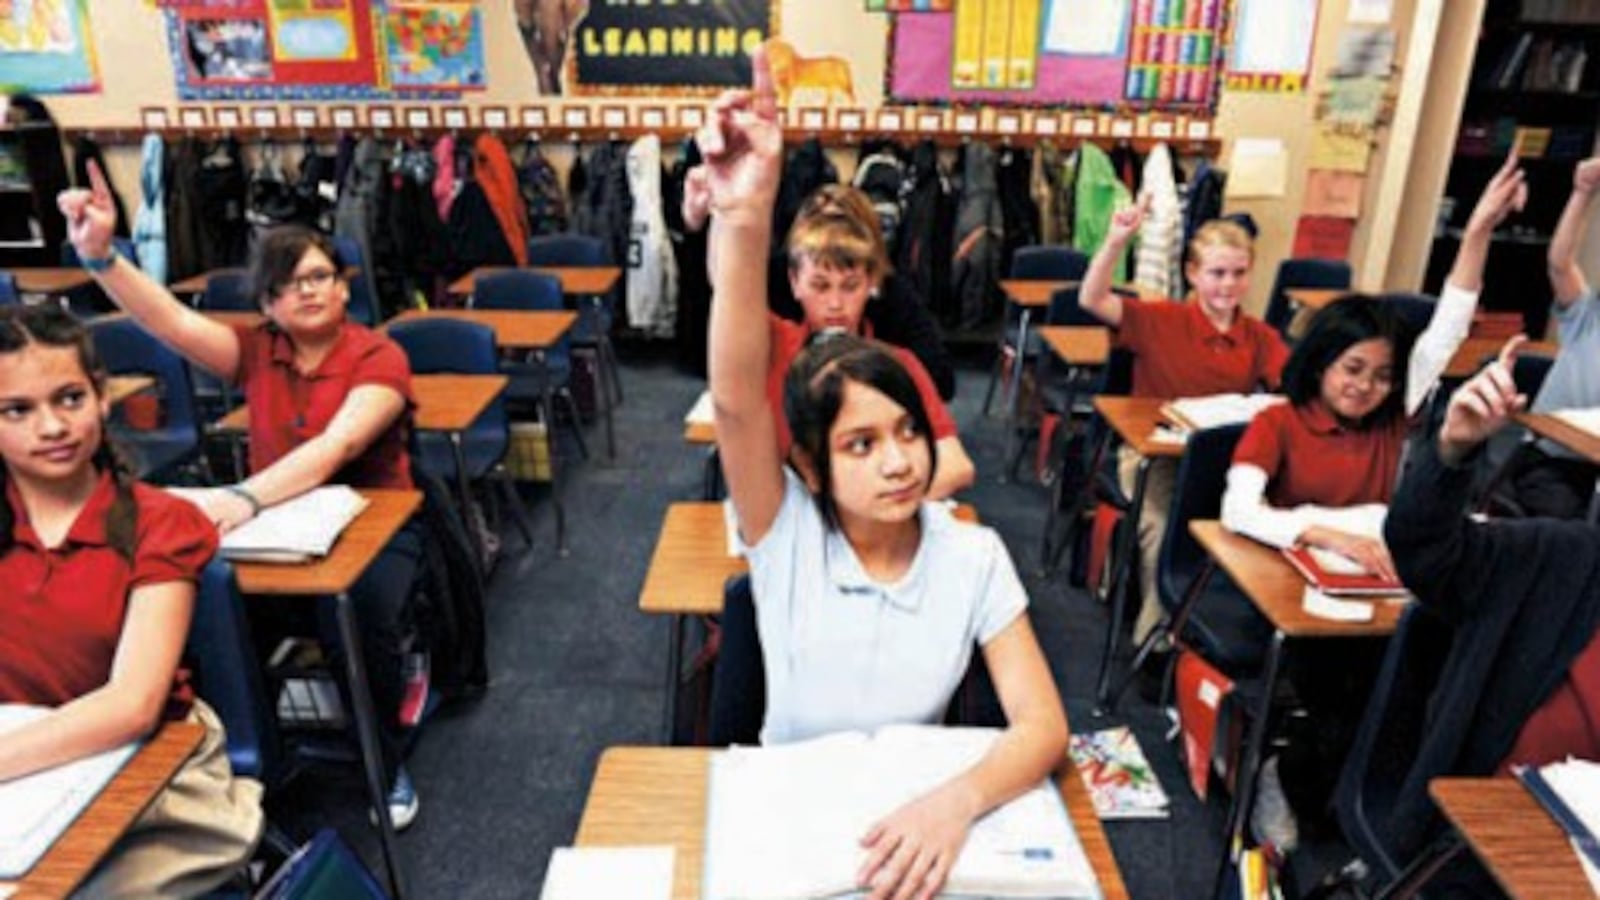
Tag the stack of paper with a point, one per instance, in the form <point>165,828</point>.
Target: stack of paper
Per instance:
<point>1200,413</point>
<point>579,873</point>
<point>1119,778</point>
<point>39,807</point>
<point>297,530</point>
<point>786,821</point>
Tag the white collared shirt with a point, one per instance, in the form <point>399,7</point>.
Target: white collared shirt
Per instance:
<point>844,652</point>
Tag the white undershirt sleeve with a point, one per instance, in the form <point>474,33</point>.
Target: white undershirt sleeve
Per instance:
<point>1430,355</point>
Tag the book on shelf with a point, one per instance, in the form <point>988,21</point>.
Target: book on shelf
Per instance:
<point>1337,575</point>
<point>1216,410</point>
<point>786,821</point>
<point>40,807</point>
<point>1119,778</point>
<point>298,530</point>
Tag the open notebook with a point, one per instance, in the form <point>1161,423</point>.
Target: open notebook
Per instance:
<point>297,530</point>
<point>1200,413</point>
<point>36,809</point>
<point>786,821</point>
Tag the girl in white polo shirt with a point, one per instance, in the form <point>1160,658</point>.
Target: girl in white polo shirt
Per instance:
<point>868,599</point>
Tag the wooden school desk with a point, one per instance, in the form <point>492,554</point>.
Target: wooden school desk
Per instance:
<point>51,281</point>
<point>91,836</point>
<point>1528,853</point>
<point>657,795</point>
<point>1475,351</point>
<point>687,571</point>
<point>575,280</point>
<point>1571,437</point>
<point>386,513</point>
<point>121,387</point>
<point>1085,346</point>
<point>1277,590</point>
<point>1027,295</point>
<point>1134,420</point>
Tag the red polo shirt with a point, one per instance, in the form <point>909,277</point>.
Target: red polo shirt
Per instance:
<point>1310,458</point>
<point>789,338</point>
<point>62,609</point>
<point>1179,353</point>
<point>288,409</point>
<point>1568,722</point>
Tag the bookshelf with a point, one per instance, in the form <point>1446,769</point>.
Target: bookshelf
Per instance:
<point>1535,81</point>
<point>32,171</point>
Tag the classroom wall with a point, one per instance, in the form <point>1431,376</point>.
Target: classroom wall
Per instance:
<point>135,72</point>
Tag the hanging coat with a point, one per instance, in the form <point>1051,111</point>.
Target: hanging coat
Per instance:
<point>183,211</point>
<point>604,208</point>
<point>221,190</point>
<point>491,166</point>
<point>652,270</point>
<point>1043,182</point>
<point>1019,214</point>
<point>150,222</point>
<point>360,209</point>
<point>923,257</point>
<point>975,276</point>
<point>445,185</point>
<point>1161,236</point>
<point>1099,194</point>
<point>542,196</point>
<point>689,247</point>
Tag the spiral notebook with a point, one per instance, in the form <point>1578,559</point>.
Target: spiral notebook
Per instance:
<point>297,530</point>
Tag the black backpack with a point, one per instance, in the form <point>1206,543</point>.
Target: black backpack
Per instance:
<point>885,181</point>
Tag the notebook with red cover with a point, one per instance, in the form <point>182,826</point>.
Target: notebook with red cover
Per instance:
<point>1336,576</point>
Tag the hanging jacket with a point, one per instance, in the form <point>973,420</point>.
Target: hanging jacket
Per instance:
<point>360,210</point>
<point>444,179</point>
<point>694,284</point>
<point>421,240</point>
<point>1019,214</point>
<point>1042,184</point>
<point>1161,237</point>
<point>476,238</point>
<point>183,211</point>
<point>652,272</point>
<point>604,210</point>
<point>1098,194</point>
<point>1066,200</point>
<point>923,259</point>
<point>221,189</point>
<point>84,151</point>
<point>542,196</point>
<point>975,276</point>
<point>1202,203</point>
<point>491,166</point>
<point>321,177</point>
<point>150,222</point>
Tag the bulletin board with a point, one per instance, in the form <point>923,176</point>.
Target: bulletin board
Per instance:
<point>47,48</point>
<point>1155,54</point>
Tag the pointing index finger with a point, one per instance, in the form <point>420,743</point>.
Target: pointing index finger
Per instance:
<point>764,92</point>
<point>1509,352</point>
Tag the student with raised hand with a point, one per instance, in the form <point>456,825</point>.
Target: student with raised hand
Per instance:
<point>99,576</point>
<point>868,598</point>
<point>330,403</point>
<point>1203,345</point>
<point>1545,478</point>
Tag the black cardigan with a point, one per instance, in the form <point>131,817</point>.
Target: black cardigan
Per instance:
<point>1522,598</point>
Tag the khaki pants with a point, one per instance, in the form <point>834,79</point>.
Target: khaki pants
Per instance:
<point>1152,526</point>
<point>196,834</point>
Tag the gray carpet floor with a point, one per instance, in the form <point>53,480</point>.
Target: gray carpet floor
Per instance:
<point>577,668</point>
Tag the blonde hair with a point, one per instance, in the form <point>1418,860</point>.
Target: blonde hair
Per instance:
<point>837,228</point>
<point>1221,233</point>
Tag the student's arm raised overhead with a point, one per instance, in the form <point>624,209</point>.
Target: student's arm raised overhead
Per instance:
<point>1566,277</point>
<point>1506,192</point>
<point>743,148</point>
<point>1096,295</point>
<point>91,218</point>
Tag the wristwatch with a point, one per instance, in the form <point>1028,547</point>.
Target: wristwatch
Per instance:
<point>99,265</point>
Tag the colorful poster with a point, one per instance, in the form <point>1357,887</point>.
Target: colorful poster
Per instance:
<point>1340,149</point>
<point>45,47</point>
<point>1333,193</point>
<point>1173,60</point>
<point>435,46</point>
<point>1323,237</point>
<point>1272,45</point>
<point>639,48</point>
<point>322,41</point>
<point>219,50</point>
<point>274,49</point>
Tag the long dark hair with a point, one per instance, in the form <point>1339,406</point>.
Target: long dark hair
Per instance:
<point>48,325</point>
<point>813,392</point>
<point>278,252</point>
<point>1336,328</point>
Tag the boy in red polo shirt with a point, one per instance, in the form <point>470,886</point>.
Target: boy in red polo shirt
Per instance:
<point>330,402</point>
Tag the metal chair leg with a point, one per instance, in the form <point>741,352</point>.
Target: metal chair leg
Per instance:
<point>519,511</point>
<point>577,428</point>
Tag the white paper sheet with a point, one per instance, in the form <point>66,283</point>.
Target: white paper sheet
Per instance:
<point>1085,27</point>
<point>581,873</point>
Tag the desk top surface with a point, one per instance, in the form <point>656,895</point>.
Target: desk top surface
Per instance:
<point>515,329</point>
<point>657,795</point>
<point>574,279</point>
<point>1277,589</point>
<point>1078,345</point>
<point>1567,435</point>
<point>1134,419</point>
<point>87,840</point>
<point>1517,840</point>
<point>50,279</point>
<point>386,513</point>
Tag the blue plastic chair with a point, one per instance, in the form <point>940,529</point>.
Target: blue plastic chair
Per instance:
<point>9,295</point>
<point>1036,262</point>
<point>1414,309</point>
<point>545,379</point>
<point>125,348</point>
<point>228,676</point>
<point>363,306</point>
<point>323,869</point>
<point>1302,273</point>
<point>228,291</point>
<point>452,346</point>
<point>596,312</point>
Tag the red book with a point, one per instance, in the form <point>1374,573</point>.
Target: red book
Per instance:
<point>1338,577</point>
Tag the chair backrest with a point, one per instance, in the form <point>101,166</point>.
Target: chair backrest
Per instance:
<point>446,345</point>
<point>322,869</point>
<point>228,675</point>
<point>363,306</point>
<point>1046,262</point>
<point>1386,742</point>
<point>575,250</point>
<point>528,290</point>
<point>1529,373</point>
<point>228,292</point>
<point>1414,309</point>
<point>1196,494</point>
<point>1064,309</point>
<point>125,348</point>
<point>1302,273</point>
<point>9,295</point>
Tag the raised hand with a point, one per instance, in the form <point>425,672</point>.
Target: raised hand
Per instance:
<point>1125,222</point>
<point>91,215</point>
<point>696,199</point>
<point>1586,177</point>
<point>743,146</point>
<point>1483,405</point>
<point>1506,192</point>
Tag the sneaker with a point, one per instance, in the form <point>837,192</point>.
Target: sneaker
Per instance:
<point>414,673</point>
<point>403,802</point>
<point>1272,820</point>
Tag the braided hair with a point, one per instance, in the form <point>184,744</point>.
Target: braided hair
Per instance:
<point>48,325</point>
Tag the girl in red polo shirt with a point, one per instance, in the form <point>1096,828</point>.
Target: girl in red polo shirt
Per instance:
<point>1204,345</point>
<point>330,402</point>
<point>99,576</point>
